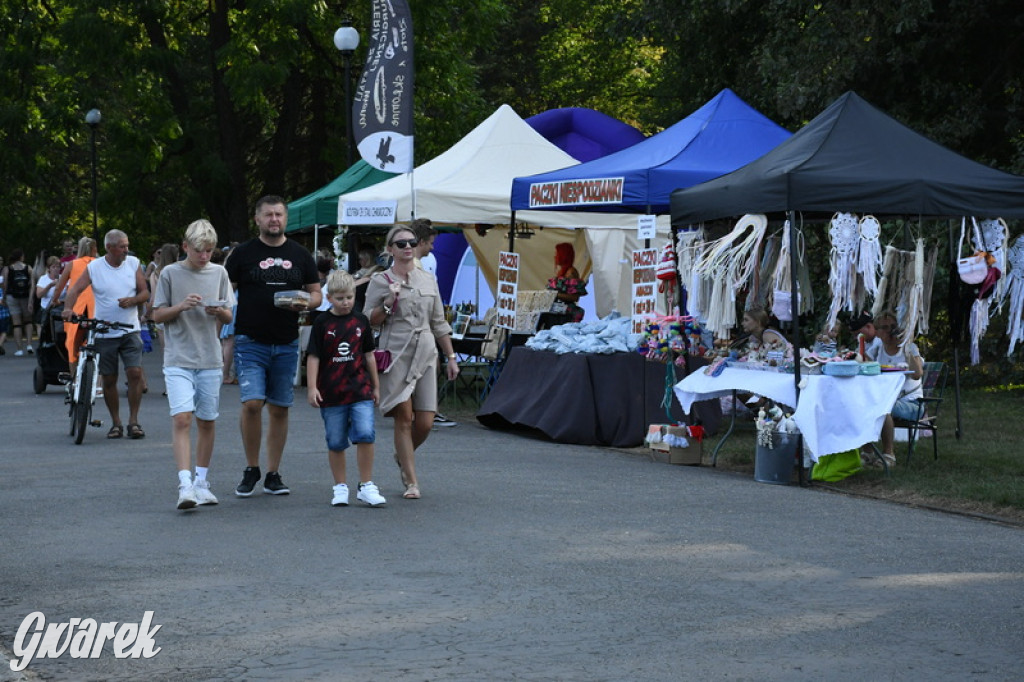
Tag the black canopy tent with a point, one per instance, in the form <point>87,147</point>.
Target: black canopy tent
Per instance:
<point>853,157</point>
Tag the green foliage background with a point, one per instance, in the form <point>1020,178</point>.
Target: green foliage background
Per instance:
<point>209,104</point>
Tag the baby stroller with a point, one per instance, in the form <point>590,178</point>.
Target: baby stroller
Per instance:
<point>52,354</point>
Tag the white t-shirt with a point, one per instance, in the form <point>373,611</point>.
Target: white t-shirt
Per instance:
<point>44,282</point>
<point>911,387</point>
<point>429,263</point>
<point>110,284</point>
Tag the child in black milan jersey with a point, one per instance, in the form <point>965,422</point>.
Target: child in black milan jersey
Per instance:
<point>342,381</point>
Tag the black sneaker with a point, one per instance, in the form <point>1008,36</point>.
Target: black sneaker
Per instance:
<point>250,477</point>
<point>273,485</point>
<point>441,420</point>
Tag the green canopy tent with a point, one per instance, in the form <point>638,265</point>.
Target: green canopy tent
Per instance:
<point>321,206</point>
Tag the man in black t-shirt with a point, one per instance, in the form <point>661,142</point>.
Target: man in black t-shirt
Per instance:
<point>267,336</point>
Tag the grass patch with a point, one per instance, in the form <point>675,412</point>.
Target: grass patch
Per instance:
<point>980,473</point>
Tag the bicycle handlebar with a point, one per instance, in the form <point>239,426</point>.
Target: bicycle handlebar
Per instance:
<point>100,325</point>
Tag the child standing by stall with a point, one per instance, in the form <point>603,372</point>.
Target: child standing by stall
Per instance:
<point>341,377</point>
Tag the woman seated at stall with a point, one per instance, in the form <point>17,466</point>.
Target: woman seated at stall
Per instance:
<point>757,326</point>
<point>890,353</point>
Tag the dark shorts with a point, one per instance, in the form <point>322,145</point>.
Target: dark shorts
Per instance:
<point>127,347</point>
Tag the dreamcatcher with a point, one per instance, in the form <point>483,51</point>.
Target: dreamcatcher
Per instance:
<point>869,255</point>
<point>1015,292</point>
<point>844,232</point>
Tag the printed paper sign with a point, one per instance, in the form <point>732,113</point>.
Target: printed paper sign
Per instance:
<point>508,289</point>
<point>645,287</point>
<point>647,227</point>
<point>367,212</point>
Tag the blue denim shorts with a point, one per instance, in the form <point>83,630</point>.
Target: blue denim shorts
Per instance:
<point>906,408</point>
<point>347,424</point>
<point>266,372</point>
<point>194,390</point>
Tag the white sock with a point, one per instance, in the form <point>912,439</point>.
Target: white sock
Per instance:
<point>201,473</point>
<point>185,477</point>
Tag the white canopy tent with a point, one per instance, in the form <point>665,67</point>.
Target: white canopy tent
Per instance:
<point>471,183</point>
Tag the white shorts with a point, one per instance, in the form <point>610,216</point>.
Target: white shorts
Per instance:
<point>194,390</point>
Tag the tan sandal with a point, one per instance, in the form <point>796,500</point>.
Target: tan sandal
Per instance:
<point>412,492</point>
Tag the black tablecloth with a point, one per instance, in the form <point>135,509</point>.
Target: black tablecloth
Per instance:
<point>586,399</point>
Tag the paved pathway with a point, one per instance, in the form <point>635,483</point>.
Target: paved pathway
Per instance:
<point>525,560</point>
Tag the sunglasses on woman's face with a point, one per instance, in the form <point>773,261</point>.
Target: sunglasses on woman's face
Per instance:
<point>405,243</point>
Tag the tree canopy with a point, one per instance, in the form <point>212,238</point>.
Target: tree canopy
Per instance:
<point>209,104</point>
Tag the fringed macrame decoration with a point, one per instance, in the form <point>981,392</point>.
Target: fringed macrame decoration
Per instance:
<point>1014,282</point>
<point>691,245</point>
<point>782,288</point>
<point>906,288</point>
<point>728,264</point>
<point>842,278</point>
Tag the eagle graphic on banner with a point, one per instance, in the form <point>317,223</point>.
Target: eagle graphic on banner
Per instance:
<point>382,110</point>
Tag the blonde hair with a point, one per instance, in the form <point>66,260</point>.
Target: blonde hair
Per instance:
<point>395,230</point>
<point>340,282</point>
<point>86,246</point>
<point>200,235</point>
<point>52,260</point>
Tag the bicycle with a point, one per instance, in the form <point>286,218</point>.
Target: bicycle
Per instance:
<point>81,391</point>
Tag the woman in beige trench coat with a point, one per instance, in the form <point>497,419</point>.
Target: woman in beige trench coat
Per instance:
<point>405,303</point>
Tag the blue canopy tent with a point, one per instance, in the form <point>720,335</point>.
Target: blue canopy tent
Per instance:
<point>584,134</point>
<point>721,136</point>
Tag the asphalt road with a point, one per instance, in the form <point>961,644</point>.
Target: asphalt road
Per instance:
<point>525,560</point>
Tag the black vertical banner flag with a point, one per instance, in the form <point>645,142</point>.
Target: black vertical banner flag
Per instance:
<point>382,109</point>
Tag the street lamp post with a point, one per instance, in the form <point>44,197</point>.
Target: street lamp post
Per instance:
<point>93,119</point>
<point>346,39</point>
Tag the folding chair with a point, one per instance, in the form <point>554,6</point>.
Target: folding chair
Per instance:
<point>933,382</point>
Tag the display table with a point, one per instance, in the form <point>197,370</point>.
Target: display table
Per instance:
<point>834,414</point>
<point>584,399</point>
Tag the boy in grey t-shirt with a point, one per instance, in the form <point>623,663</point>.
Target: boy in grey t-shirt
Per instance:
<point>191,297</point>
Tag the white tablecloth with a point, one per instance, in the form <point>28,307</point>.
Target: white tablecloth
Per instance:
<point>834,414</point>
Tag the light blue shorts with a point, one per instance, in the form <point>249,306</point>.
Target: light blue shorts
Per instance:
<point>907,409</point>
<point>266,372</point>
<point>194,390</point>
<point>347,424</point>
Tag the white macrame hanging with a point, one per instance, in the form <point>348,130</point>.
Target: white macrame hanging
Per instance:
<point>728,267</point>
<point>782,284</point>
<point>869,255</point>
<point>842,278</point>
<point>1015,292</point>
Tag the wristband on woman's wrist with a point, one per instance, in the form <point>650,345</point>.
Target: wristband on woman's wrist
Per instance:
<point>386,308</point>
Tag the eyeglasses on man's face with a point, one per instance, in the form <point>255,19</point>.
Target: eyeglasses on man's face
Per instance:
<point>405,243</point>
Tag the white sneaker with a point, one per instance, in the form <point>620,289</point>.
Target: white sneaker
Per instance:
<point>370,494</point>
<point>203,494</point>
<point>19,353</point>
<point>31,351</point>
<point>340,495</point>
<point>186,496</point>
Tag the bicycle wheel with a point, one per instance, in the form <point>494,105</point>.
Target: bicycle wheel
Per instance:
<point>70,400</point>
<point>83,408</point>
